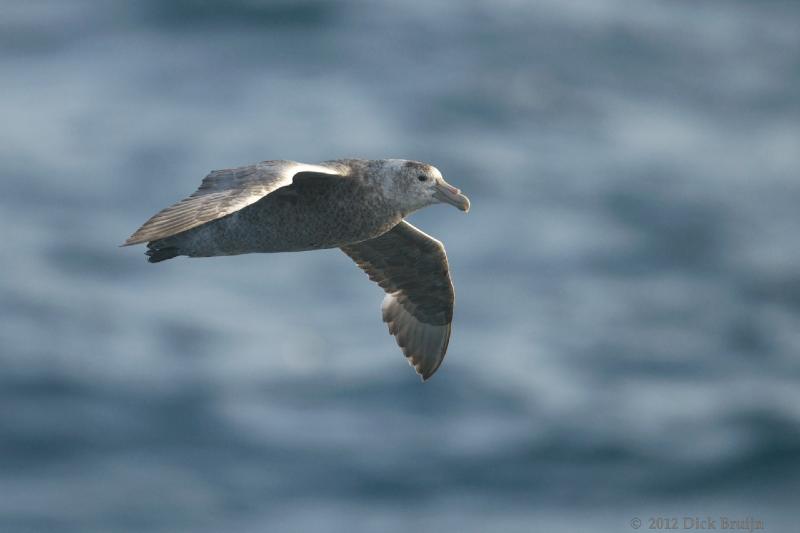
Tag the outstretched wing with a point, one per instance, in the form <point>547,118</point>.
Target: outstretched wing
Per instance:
<point>411,267</point>
<point>222,193</point>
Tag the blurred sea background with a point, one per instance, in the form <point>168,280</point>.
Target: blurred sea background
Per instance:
<point>626,339</point>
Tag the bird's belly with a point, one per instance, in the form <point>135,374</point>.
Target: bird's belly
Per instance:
<point>288,225</point>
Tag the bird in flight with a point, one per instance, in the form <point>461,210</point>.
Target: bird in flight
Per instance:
<point>356,205</point>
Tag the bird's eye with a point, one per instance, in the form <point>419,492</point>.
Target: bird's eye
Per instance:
<point>422,178</point>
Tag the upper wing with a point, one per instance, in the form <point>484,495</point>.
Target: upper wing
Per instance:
<point>222,193</point>
<point>411,267</point>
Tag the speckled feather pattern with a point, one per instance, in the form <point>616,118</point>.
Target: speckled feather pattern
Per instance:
<point>353,204</point>
<point>314,212</point>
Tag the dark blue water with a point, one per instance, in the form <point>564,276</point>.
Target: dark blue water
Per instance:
<point>627,332</point>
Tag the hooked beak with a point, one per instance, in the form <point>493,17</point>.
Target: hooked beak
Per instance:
<point>450,195</point>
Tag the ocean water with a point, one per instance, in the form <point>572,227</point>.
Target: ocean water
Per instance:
<point>626,341</point>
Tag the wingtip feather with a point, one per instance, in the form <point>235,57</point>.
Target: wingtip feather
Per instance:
<point>424,348</point>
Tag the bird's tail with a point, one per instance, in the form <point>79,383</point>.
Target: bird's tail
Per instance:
<point>156,253</point>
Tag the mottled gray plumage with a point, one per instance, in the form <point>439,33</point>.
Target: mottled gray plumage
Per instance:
<point>353,204</point>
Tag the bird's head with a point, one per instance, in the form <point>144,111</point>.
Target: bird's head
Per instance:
<point>418,185</point>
